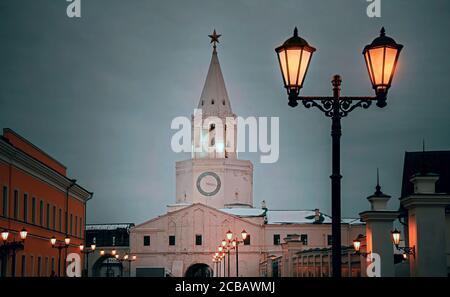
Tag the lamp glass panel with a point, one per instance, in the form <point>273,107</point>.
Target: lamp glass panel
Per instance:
<point>396,237</point>
<point>357,245</point>
<point>283,65</point>
<point>293,57</point>
<point>369,67</point>
<point>376,59</point>
<point>389,63</point>
<point>306,56</point>
<point>5,235</point>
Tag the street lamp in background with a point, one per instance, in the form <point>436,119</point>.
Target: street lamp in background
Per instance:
<point>294,57</point>
<point>221,252</point>
<point>127,258</point>
<point>216,263</point>
<point>13,246</point>
<point>235,245</point>
<point>85,251</point>
<point>60,246</point>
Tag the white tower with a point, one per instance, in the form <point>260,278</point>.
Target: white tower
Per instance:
<point>214,176</point>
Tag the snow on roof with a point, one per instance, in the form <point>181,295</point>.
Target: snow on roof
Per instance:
<point>244,211</point>
<point>287,216</point>
<point>352,221</point>
<point>109,226</point>
<point>302,217</point>
<point>294,217</point>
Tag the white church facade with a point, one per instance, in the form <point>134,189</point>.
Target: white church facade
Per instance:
<point>214,194</point>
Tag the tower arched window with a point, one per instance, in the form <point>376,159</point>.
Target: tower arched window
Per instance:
<point>223,102</point>
<point>212,102</point>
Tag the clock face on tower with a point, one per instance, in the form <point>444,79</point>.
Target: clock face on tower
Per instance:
<point>208,183</point>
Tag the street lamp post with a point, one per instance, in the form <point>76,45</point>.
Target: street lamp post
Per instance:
<point>13,246</point>
<point>381,58</point>
<point>126,258</point>
<point>235,244</point>
<point>60,246</point>
<point>87,252</point>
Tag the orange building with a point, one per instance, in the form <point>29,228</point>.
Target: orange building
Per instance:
<point>37,196</point>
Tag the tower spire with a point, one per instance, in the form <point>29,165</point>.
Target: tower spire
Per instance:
<point>214,98</point>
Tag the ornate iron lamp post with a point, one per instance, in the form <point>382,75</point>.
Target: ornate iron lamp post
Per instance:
<point>294,57</point>
<point>12,246</point>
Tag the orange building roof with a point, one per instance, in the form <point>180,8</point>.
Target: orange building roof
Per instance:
<point>27,147</point>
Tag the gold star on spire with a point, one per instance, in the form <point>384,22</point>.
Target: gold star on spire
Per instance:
<point>214,39</point>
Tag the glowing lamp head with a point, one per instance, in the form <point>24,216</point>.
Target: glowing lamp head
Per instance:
<point>294,56</point>
<point>234,243</point>
<point>381,58</point>
<point>67,240</point>
<point>244,234</point>
<point>81,247</point>
<point>93,246</point>
<point>224,242</point>
<point>405,256</point>
<point>395,237</point>
<point>229,235</point>
<point>53,240</point>
<point>102,252</point>
<point>220,249</point>
<point>5,234</point>
<point>357,244</point>
<point>125,257</point>
<point>117,256</point>
<point>113,252</point>
<point>133,258</point>
<point>216,254</point>
<point>23,234</point>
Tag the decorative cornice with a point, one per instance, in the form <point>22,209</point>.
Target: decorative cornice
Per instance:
<point>11,155</point>
<point>425,200</point>
<point>384,215</point>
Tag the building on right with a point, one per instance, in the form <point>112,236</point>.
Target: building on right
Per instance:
<point>419,231</point>
<point>413,240</point>
<point>424,212</point>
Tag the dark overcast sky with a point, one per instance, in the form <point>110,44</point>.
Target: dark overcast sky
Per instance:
<point>99,93</point>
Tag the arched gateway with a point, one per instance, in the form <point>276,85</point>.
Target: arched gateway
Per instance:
<point>199,270</point>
